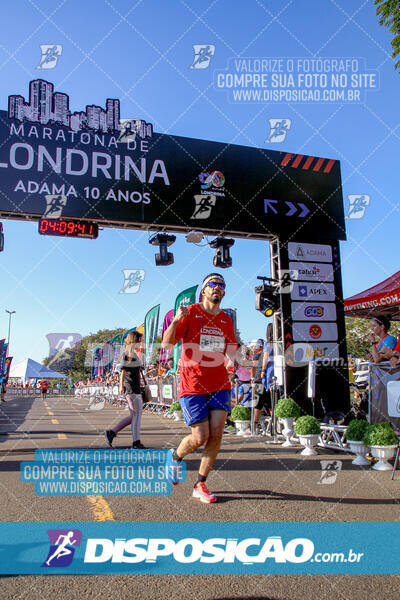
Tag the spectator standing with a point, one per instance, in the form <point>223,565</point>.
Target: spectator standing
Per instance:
<point>256,357</point>
<point>129,384</point>
<point>380,326</point>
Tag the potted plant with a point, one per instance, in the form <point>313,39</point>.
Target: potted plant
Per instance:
<point>176,410</point>
<point>354,435</point>
<point>241,416</point>
<point>308,430</point>
<point>383,442</point>
<point>287,410</point>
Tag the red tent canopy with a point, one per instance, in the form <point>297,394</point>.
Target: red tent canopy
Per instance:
<point>383,298</point>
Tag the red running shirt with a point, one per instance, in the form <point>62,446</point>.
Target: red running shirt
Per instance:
<point>205,338</point>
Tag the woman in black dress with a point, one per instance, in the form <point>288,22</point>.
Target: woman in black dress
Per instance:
<point>129,385</point>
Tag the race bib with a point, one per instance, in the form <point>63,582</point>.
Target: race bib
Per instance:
<point>212,343</point>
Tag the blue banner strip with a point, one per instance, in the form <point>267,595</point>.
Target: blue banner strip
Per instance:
<point>164,548</point>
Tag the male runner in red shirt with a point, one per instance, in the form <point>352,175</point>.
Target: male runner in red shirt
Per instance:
<point>207,335</point>
<point>43,388</point>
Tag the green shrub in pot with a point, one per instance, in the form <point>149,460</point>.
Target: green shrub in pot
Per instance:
<point>380,434</point>
<point>175,406</point>
<point>356,430</point>
<point>241,413</point>
<point>307,425</point>
<point>287,408</point>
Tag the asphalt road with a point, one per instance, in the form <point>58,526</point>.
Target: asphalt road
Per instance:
<point>255,480</point>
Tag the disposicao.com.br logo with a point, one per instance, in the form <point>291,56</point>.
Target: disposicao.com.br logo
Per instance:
<point>247,551</point>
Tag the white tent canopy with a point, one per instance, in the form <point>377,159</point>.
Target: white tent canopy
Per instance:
<point>30,369</point>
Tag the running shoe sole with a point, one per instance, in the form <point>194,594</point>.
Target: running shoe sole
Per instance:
<point>202,498</point>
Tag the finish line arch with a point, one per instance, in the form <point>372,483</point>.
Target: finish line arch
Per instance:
<point>93,166</point>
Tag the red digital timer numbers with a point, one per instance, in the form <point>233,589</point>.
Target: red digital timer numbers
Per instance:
<point>67,228</point>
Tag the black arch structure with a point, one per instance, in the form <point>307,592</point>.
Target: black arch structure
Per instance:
<point>169,183</point>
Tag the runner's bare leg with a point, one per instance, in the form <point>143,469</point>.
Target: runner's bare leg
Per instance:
<point>217,420</point>
<point>200,434</point>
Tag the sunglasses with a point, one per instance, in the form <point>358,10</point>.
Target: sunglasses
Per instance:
<point>213,284</point>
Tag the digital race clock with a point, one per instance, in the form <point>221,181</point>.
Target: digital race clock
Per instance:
<point>68,228</point>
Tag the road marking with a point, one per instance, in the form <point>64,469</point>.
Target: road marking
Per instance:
<point>50,413</point>
<point>55,422</point>
<point>61,436</point>
<point>100,508</point>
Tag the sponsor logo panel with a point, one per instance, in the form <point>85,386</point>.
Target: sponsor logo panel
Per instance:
<point>311,252</point>
<point>320,311</point>
<point>303,332</point>
<point>312,291</point>
<point>311,271</point>
<point>393,391</point>
<point>304,352</point>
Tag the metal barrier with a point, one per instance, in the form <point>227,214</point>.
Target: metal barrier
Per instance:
<point>18,391</point>
<point>163,392</point>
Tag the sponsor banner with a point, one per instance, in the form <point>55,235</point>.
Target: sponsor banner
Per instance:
<point>306,351</point>
<point>165,354</point>
<point>306,311</point>
<point>311,252</point>
<point>3,356</point>
<point>379,300</point>
<point>190,548</point>
<point>185,298</point>
<point>154,390</point>
<point>167,392</point>
<point>303,271</point>
<point>312,291</point>
<point>150,332</point>
<point>393,394</point>
<point>91,164</point>
<point>384,396</point>
<point>314,331</point>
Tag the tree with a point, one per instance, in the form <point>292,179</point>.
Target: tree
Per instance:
<point>76,362</point>
<point>389,13</point>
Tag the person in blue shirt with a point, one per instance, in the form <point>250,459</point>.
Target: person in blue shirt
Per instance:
<point>380,326</point>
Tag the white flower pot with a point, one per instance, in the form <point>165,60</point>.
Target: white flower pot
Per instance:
<point>360,449</point>
<point>384,453</point>
<point>287,430</point>
<point>242,427</point>
<point>308,441</point>
<point>178,415</point>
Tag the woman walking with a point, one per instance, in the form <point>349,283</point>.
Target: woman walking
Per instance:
<point>129,384</point>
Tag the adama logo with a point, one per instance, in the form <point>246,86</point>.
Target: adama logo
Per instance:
<point>315,332</point>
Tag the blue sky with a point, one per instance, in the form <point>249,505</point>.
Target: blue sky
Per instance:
<point>140,52</point>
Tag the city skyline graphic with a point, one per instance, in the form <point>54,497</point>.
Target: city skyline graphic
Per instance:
<point>48,107</point>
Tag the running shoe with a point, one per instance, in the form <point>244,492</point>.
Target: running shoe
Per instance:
<point>139,445</point>
<point>110,435</point>
<point>172,468</point>
<point>200,491</point>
